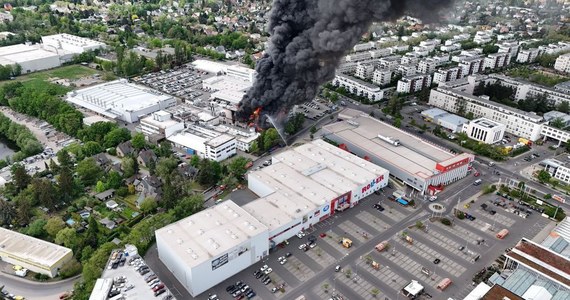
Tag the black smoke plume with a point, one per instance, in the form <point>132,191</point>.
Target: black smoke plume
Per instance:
<point>308,39</point>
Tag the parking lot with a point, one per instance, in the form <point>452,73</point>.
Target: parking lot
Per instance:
<point>133,279</point>
<point>184,82</point>
<point>315,109</point>
<point>460,251</point>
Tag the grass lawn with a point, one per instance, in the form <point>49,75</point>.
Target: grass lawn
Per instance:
<point>130,200</point>
<point>39,79</point>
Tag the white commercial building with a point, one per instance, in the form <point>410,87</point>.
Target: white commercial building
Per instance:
<point>212,245</point>
<point>358,87</point>
<point>451,122</point>
<point>31,58</point>
<point>308,184</point>
<point>417,163</point>
<point>160,123</point>
<point>412,84</point>
<point>33,254</point>
<point>121,100</point>
<point>245,137</point>
<point>520,123</point>
<point>484,130</point>
<point>302,186</point>
<point>70,43</point>
<point>559,116</point>
<point>562,63</point>
<point>206,143</point>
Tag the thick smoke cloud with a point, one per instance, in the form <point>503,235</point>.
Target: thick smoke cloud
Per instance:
<point>308,39</point>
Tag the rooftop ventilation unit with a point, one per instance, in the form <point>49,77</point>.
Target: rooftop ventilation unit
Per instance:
<point>389,140</point>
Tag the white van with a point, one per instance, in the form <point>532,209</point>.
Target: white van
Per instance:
<point>477,182</point>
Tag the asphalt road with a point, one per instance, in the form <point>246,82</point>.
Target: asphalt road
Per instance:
<point>35,290</point>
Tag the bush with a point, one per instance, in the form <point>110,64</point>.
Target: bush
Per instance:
<point>70,269</point>
<point>460,215</point>
<point>446,221</point>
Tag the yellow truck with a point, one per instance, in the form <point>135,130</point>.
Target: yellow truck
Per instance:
<point>346,243</point>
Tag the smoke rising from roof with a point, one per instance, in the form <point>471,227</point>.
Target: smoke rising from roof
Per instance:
<point>308,39</point>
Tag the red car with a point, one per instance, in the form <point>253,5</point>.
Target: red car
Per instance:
<point>476,174</point>
<point>323,235</point>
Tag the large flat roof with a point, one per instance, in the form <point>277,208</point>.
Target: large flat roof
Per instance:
<point>306,177</point>
<point>118,95</point>
<point>209,233</point>
<point>413,155</point>
<point>22,53</point>
<point>30,249</point>
<point>542,260</point>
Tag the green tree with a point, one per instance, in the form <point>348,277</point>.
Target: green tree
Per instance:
<point>271,138</point>
<point>116,136</point>
<point>68,238</point>
<point>45,193</point>
<point>114,180</point>
<point>166,166</point>
<point>148,205</point>
<point>70,268</point>
<point>138,141</point>
<point>20,176</point>
<point>88,171</point>
<point>64,159</point>
<point>100,187</point>
<point>374,292</point>
<point>128,166</point>
<point>53,226</point>
<point>237,168</point>
<point>7,212</point>
<point>65,183</point>
<point>557,123</point>
<point>36,228</point>
<point>24,208</point>
<point>398,123</point>
<point>543,176</point>
<point>92,233</point>
<point>188,206</point>
<point>564,107</point>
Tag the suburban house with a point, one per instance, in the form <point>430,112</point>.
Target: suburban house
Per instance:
<point>145,157</point>
<point>124,149</point>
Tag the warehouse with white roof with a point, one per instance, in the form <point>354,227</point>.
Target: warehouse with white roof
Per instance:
<point>31,58</point>
<point>416,162</point>
<point>31,253</point>
<point>212,245</point>
<point>301,187</point>
<point>121,100</point>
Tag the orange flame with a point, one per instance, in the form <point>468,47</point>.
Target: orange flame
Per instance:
<point>253,119</point>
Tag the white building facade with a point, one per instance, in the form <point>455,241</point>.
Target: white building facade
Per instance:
<point>484,130</point>
<point>359,87</point>
<point>160,122</point>
<point>562,63</point>
<point>413,84</point>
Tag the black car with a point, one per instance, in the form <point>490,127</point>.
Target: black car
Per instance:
<point>493,212</point>
<point>312,239</point>
<point>257,272</point>
<point>230,288</point>
<point>436,261</point>
<point>379,207</point>
<point>267,281</point>
<point>288,254</point>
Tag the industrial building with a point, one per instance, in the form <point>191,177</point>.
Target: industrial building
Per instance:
<point>301,187</point>
<point>204,142</point>
<point>451,122</point>
<point>73,44</point>
<point>212,245</point>
<point>121,100</point>
<point>484,130</point>
<point>417,163</point>
<point>307,184</point>
<point>160,123</point>
<point>31,58</point>
<point>33,254</point>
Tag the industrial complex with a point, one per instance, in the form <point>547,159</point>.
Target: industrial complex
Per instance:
<point>121,100</point>
<point>301,187</point>
<point>419,164</point>
<point>31,253</point>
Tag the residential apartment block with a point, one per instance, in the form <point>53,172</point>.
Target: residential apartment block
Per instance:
<point>449,74</point>
<point>562,63</point>
<point>359,87</point>
<point>412,84</point>
<point>528,55</point>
